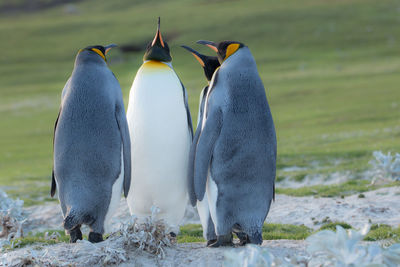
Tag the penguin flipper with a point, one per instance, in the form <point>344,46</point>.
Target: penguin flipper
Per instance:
<point>53,184</point>
<point>192,152</point>
<point>126,145</point>
<point>189,117</point>
<point>192,155</point>
<point>204,151</point>
<point>53,180</point>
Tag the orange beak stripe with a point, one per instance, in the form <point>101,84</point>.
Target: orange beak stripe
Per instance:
<point>198,59</point>
<point>212,47</point>
<point>108,49</point>
<point>158,34</point>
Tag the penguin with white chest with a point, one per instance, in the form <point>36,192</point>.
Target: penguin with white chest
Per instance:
<point>209,64</point>
<point>235,158</point>
<point>161,133</point>
<point>92,163</point>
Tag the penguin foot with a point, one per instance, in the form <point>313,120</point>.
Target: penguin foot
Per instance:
<point>212,241</point>
<point>256,238</point>
<point>172,234</point>
<point>243,238</point>
<point>95,237</point>
<point>222,240</point>
<point>75,234</point>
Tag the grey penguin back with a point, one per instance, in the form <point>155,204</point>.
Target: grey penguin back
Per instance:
<point>87,141</point>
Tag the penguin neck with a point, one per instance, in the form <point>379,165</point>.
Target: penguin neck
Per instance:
<point>155,62</point>
<point>86,58</point>
<point>239,61</point>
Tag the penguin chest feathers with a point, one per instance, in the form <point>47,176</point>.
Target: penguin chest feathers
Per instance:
<point>156,100</point>
<point>158,123</point>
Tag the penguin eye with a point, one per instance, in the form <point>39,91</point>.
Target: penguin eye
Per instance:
<point>232,48</point>
<point>98,52</point>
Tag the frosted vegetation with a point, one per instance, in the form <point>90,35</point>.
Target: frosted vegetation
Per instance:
<point>326,248</point>
<point>383,168</point>
<point>150,236</point>
<point>11,219</point>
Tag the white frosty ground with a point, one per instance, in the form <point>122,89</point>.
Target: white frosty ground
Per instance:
<point>181,255</point>
<point>379,206</point>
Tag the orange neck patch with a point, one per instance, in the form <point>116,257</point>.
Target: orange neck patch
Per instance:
<point>232,48</point>
<point>99,52</point>
<point>155,64</point>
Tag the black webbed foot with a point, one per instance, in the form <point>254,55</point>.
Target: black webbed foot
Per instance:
<point>75,234</point>
<point>95,237</point>
<point>212,241</point>
<point>222,240</point>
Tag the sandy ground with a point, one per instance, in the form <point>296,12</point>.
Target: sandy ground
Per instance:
<point>190,254</point>
<point>379,206</point>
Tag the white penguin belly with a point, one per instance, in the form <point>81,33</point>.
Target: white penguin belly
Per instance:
<point>202,206</point>
<point>204,214</point>
<point>115,197</point>
<point>212,195</point>
<point>160,144</point>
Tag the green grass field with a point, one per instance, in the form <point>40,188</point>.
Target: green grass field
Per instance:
<point>331,71</point>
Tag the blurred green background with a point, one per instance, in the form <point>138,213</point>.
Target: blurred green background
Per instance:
<point>330,68</point>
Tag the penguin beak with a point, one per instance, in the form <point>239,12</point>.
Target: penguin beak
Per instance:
<point>210,44</point>
<point>196,54</point>
<point>158,38</point>
<point>108,48</point>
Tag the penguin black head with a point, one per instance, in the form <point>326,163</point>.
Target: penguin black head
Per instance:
<point>224,49</point>
<point>98,49</point>
<point>158,49</point>
<point>209,64</point>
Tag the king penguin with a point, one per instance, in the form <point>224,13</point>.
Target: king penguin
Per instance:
<point>161,132</point>
<point>235,158</point>
<point>209,64</point>
<point>92,161</point>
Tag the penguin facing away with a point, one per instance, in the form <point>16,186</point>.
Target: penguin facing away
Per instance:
<point>209,64</point>
<point>92,162</point>
<point>161,133</point>
<point>235,158</point>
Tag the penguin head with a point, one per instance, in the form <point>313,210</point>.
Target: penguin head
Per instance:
<point>224,49</point>
<point>157,49</point>
<point>209,64</point>
<point>94,52</point>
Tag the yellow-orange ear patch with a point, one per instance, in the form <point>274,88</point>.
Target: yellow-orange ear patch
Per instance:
<point>232,48</point>
<point>99,52</point>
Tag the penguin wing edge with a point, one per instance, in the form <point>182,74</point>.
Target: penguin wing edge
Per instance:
<point>192,154</point>
<point>204,151</point>
<point>189,117</point>
<point>126,146</point>
<point>53,179</point>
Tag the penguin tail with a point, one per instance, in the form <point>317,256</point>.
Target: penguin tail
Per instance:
<point>74,219</point>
